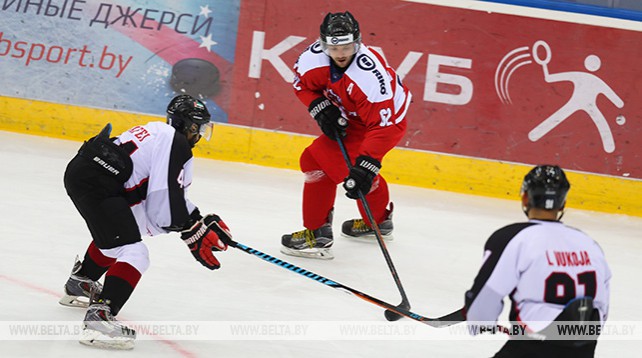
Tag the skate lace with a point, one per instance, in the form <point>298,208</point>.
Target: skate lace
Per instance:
<point>107,316</point>
<point>103,312</point>
<point>83,286</point>
<point>359,225</point>
<point>306,234</point>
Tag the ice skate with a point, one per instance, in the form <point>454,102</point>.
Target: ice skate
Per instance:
<point>358,229</point>
<point>316,244</point>
<point>102,330</point>
<point>78,288</point>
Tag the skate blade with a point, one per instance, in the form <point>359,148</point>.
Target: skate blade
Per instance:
<point>92,338</point>
<point>371,238</point>
<point>321,254</point>
<point>74,301</point>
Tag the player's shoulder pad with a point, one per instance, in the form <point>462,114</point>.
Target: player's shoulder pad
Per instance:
<point>368,71</point>
<point>500,238</point>
<point>313,57</point>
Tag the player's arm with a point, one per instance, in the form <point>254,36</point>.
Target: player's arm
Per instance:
<point>181,212</point>
<point>380,137</point>
<point>310,78</point>
<point>202,235</point>
<point>383,108</point>
<point>497,277</point>
<point>382,133</point>
<point>309,88</point>
<point>602,300</point>
<point>325,113</point>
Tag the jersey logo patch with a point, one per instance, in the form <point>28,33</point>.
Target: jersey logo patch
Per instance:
<point>316,48</point>
<point>365,63</point>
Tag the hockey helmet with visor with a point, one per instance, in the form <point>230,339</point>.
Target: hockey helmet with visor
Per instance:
<point>189,116</point>
<point>340,34</point>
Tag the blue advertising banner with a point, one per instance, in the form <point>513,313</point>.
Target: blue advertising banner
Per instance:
<point>120,55</point>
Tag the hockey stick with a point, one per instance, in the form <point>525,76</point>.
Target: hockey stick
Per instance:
<point>443,321</point>
<point>405,304</point>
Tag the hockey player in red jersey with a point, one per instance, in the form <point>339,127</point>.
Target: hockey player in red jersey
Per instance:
<point>555,276</point>
<point>132,185</point>
<point>351,91</point>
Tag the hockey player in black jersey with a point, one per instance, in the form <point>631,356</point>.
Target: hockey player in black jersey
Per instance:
<point>130,186</point>
<point>554,275</point>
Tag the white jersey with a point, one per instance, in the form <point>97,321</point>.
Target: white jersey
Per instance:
<point>156,190</point>
<point>541,265</point>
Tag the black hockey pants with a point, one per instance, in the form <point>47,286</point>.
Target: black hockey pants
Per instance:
<point>99,197</point>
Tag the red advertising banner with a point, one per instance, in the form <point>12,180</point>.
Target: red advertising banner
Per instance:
<point>485,85</point>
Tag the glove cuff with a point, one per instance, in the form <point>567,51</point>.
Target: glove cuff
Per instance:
<point>318,105</point>
<point>368,163</point>
<point>194,234</point>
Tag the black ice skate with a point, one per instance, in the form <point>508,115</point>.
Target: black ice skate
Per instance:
<point>358,229</point>
<point>314,244</point>
<point>102,330</point>
<point>78,288</point>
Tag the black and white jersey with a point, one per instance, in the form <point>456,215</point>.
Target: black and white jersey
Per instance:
<point>541,265</point>
<point>156,190</point>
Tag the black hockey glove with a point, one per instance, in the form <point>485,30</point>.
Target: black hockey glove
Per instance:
<point>361,175</point>
<point>207,235</point>
<point>215,223</point>
<point>329,118</point>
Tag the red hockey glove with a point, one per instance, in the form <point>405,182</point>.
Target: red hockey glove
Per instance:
<point>202,239</point>
<point>329,118</point>
<point>361,175</point>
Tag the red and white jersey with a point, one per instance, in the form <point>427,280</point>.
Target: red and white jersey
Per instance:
<point>368,92</point>
<point>162,174</point>
<point>541,265</point>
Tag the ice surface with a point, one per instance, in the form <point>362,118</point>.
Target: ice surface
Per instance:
<point>437,249</point>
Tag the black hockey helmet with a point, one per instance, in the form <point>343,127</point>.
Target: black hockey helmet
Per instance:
<point>189,115</point>
<point>546,187</point>
<point>340,28</point>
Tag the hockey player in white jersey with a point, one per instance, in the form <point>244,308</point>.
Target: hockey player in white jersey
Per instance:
<point>553,274</point>
<point>130,186</point>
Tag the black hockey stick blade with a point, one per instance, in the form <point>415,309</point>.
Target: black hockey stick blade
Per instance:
<point>444,321</point>
<point>392,316</point>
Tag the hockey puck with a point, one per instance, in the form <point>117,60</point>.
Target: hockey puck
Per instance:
<point>391,316</point>
<point>196,77</point>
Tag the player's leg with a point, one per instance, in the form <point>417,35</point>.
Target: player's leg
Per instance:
<point>117,237</point>
<point>319,192</point>
<point>84,277</point>
<point>100,325</point>
<point>109,220</point>
<point>116,250</point>
<point>87,188</point>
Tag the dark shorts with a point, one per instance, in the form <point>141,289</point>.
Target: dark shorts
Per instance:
<point>99,197</point>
